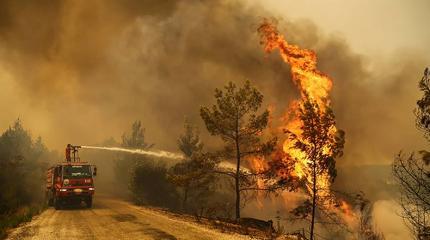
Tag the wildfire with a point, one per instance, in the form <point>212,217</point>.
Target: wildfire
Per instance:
<point>303,62</point>
<point>293,163</point>
<point>345,207</point>
<point>259,165</point>
<point>311,83</point>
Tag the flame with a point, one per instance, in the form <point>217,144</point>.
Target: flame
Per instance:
<point>347,213</point>
<point>315,86</point>
<point>259,165</point>
<point>311,83</point>
<point>346,208</point>
<point>303,62</point>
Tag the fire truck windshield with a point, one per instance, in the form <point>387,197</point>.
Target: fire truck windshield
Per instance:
<point>76,171</point>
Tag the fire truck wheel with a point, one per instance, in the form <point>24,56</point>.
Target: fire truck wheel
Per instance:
<point>89,202</point>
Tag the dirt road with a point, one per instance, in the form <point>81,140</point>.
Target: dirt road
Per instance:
<point>113,219</point>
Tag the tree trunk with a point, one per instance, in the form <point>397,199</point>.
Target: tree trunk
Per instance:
<point>314,197</point>
<point>237,178</point>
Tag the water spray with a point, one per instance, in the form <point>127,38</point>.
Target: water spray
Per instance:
<point>162,154</point>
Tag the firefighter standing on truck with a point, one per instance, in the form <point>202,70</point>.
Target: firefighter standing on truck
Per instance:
<point>68,150</point>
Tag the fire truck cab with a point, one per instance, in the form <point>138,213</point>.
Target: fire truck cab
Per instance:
<point>70,182</point>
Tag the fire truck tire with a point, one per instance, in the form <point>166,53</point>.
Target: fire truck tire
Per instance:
<point>89,202</point>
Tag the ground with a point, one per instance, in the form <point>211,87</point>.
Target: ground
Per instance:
<point>114,219</point>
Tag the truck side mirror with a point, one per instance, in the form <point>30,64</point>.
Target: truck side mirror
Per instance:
<point>95,171</point>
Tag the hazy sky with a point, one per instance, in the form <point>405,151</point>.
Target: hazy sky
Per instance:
<point>368,25</point>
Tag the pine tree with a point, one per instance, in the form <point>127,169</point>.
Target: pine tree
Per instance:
<point>235,120</point>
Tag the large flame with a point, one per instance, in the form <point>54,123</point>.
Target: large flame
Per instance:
<point>311,83</point>
<point>315,86</point>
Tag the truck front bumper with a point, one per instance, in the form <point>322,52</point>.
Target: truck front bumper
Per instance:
<point>75,192</point>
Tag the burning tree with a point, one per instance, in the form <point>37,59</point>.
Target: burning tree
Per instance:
<point>413,173</point>
<point>133,139</point>
<point>234,118</point>
<point>318,144</point>
<point>313,140</point>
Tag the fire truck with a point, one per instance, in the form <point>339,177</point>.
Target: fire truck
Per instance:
<point>70,182</point>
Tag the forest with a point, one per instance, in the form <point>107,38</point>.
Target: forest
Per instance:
<point>217,184</point>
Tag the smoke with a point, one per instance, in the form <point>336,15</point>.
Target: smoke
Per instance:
<point>100,64</point>
<point>388,220</point>
<point>160,154</point>
<point>83,71</point>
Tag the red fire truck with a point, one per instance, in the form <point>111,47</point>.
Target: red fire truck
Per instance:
<point>70,182</point>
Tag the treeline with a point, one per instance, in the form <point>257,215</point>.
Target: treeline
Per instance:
<point>218,184</point>
<point>202,183</point>
<point>214,184</point>
<point>23,161</point>
<point>189,185</point>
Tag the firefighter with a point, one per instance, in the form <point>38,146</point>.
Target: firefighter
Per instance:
<point>68,150</point>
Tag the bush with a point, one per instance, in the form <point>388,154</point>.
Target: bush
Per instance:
<point>149,185</point>
<point>24,214</point>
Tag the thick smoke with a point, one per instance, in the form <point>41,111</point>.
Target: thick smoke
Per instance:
<point>92,68</point>
<point>98,66</point>
<point>83,71</point>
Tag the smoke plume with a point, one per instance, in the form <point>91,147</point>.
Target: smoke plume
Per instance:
<point>83,71</point>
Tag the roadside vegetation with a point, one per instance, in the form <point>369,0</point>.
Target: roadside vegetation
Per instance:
<point>210,185</point>
<point>23,161</point>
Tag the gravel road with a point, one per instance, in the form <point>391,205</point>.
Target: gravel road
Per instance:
<point>113,219</point>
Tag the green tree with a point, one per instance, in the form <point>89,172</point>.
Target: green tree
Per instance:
<point>127,163</point>
<point>189,142</point>
<point>235,119</point>
<point>22,166</point>
<point>194,175</point>
<point>136,138</point>
<point>321,146</point>
<point>146,178</point>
